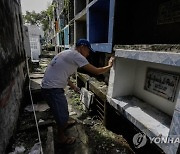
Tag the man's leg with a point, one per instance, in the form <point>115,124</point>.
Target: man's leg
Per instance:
<point>64,139</point>
<point>59,107</point>
<point>61,114</point>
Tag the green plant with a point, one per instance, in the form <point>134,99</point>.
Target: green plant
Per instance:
<point>66,4</point>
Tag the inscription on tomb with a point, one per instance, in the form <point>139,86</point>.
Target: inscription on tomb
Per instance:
<point>162,83</point>
<point>169,12</point>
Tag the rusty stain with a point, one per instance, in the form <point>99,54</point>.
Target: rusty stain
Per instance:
<point>4,100</point>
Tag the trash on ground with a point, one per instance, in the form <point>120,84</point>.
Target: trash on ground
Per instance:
<point>37,107</point>
<point>18,150</point>
<point>36,149</point>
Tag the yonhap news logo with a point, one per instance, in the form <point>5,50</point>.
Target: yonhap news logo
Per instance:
<point>140,140</point>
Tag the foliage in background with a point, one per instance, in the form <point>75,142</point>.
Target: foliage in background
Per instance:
<point>66,4</point>
<point>38,19</point>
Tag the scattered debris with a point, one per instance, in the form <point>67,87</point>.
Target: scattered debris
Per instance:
<point>72,113</point>
<point>36,149</point>
<point>100,140</point>
<point>18,150</point>
<point>91,136</point>
<point>40,120</point>
<point>37,107</point>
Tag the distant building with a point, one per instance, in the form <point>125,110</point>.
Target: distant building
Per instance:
<point>35,36</point>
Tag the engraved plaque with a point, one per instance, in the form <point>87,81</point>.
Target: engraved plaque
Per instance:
<point>162,83</point>
<point>169,12</point>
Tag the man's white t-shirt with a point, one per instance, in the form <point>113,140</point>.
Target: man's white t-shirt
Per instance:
<point>62,66</point>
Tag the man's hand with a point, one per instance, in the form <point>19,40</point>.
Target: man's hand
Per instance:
<point>77,89</point>
<point>73,86</point>
<point>110,62</point>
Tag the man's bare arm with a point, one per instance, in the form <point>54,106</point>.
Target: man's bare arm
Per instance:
<point>99,70</point>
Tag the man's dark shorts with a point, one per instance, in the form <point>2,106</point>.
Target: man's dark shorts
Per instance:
<point>57,101</point>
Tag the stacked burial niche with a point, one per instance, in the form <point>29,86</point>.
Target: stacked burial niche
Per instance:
<point>144,84</point>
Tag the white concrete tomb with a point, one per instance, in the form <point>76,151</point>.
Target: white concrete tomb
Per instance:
<point>144,86</point>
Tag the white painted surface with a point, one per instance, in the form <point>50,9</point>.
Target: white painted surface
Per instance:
<point>167,58</point>
<point>35,30</point>
<point>124,75</point>
<point>155,100</point>
<point>35,48</point>
<point>129,79</point>
<point>152,114</point>
<point>148,117</point>
<point>145,117</point>
<point>35,33</point>
<point>86,97</point>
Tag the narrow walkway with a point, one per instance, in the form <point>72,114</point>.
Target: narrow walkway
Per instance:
<point>81,144</point>
<point>91,136</point>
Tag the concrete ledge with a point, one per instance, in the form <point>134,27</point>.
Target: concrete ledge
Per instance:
<point>144,116</point>
<point>83,77</point>
<point>167,58</point>
<point>102,47</point>
<point>98,88</point>
<point>174,48</point>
